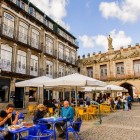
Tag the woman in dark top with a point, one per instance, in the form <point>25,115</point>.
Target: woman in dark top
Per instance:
<point>39,114</point>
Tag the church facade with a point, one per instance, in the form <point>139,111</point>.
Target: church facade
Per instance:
<point>119,67</point>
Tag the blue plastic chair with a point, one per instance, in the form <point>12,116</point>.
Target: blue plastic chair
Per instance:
<point>1,138</point>
<point>43,128</point>
<point>32,131</point>
<point>47,137</point>
<point>21,116</point>
<point>72,130</point>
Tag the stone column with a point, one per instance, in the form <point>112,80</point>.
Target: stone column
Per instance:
<point>28,62</point>
<point>26,96</point>
<point>12,90</point>
<point>14,58</point>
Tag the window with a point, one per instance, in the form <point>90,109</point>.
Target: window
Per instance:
<point>120,68</point>
<point>8,26</point>
<point>61,51</point>
<point>6,57</point>
<point>21,62</point>
<point>49,69</point>
<point>23,32</point>
<point>67,71</point>
<point>32,94</point>
<point>14,1</point>
<point>61,71</point>
<point>23,5</point>
<point>32,11</point>
<point>136,65</point>
<point>73,57</point>
<point>73,71</point>
<point>90,71</point>
<point>18,3</point>
<point>35,39</point>
<point>103,70</point>
<point>49,45</point>
<point>46,22</point>
<point>67,55</point>
<point>50,25</point>
<point>34,65</point>
<point>39,16</point>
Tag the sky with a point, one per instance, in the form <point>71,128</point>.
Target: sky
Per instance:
<point>91,21</point>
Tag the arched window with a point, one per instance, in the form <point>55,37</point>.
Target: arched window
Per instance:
<point>34,65</point>
<point>61,51</point>
<point>61,71</point>
<point>35,39</point>
<point>21,62</point>
<point>6,57</point>
<point>8,26</point>
<point>49,45</point>
<point>49,69</point>
<point>23,32</point>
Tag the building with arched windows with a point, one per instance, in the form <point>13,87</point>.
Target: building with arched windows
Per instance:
<point>119,67</point>
<point>31,45</point>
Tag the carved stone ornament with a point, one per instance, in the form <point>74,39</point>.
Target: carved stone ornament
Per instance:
<point>119,57</point>
<point>103,59</point>
<point>134,54</point>
<point>88,62</point>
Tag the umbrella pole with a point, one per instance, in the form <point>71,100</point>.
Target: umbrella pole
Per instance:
<point>76,96</point>
<point>43,95</point>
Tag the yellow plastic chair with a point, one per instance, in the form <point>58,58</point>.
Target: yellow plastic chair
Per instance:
<point>50,110</point>
<point>31,109</point>
<point>91,112</point>
<point>82,114</point>
<point>106,108</point>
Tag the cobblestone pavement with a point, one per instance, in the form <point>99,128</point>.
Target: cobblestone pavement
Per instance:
<point>120,125</point>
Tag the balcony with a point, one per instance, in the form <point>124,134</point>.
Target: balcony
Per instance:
<point>22,37</point>
<point>21,68</point>
<point>5,65</point>
<point>33,71</point>
<point>35,43</point>
<point>7,30</point>
<point>10,32</point>
<point>61,56</point>
<point>51,52</point>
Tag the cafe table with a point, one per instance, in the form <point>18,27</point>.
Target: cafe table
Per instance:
<point>18,131</point>
<point>53,121</point>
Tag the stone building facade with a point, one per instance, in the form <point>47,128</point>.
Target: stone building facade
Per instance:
<point>31,45</point>
<point>119,67</point>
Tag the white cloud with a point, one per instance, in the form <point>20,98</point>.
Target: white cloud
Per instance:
<point>125,10</point>
<point>56,9</point>
<point>119,39</point>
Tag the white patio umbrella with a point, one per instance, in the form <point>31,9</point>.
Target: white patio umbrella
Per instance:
<point>106,88</point>
<point>74,81</point>
<point>35,82</point>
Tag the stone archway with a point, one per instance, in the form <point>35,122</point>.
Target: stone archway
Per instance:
<point>129,87</point>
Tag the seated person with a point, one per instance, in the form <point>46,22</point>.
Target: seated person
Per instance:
<point>81,101</point>
<point>68,113</point>
<point>7,118</point>
<point>39,114</point>
<point>51,104</point>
